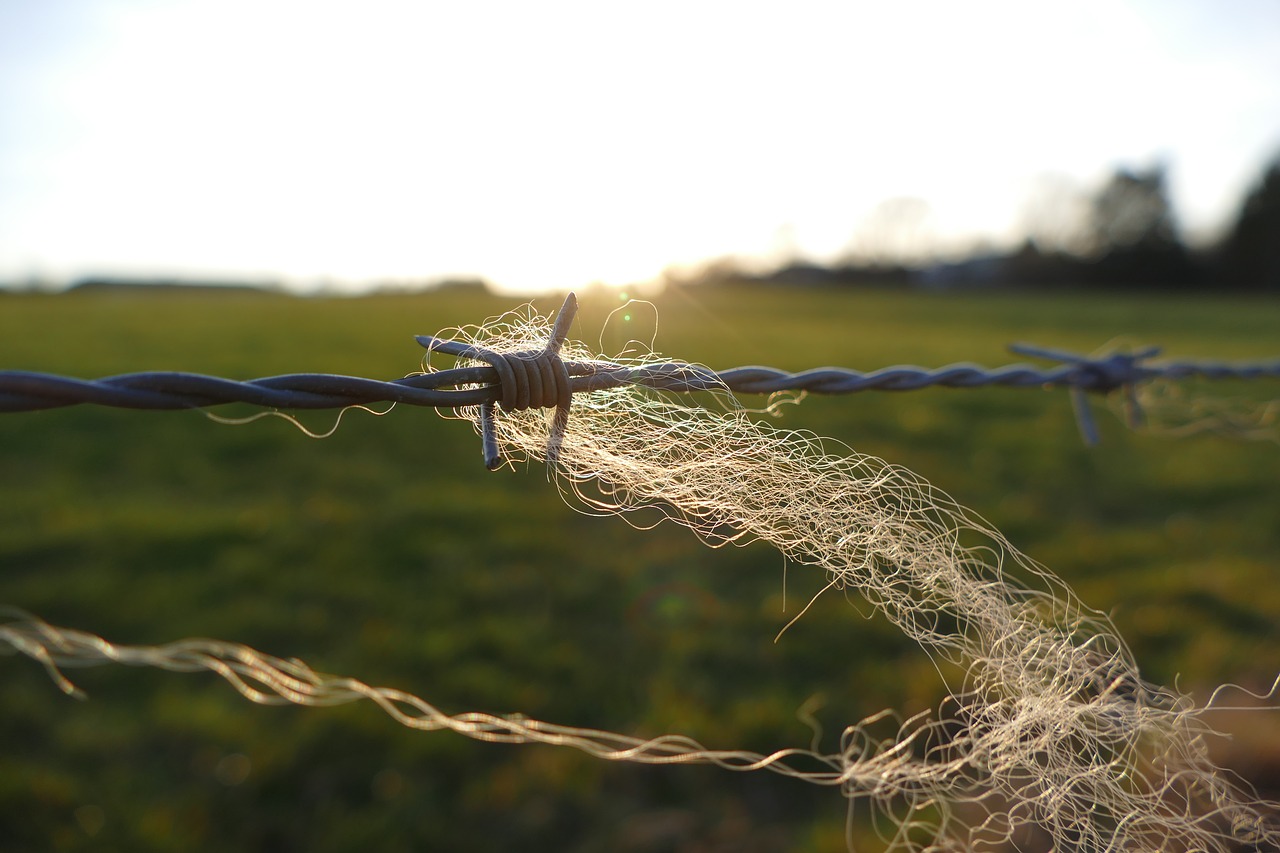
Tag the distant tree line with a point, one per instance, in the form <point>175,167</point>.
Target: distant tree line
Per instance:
<point>1250,256</point>
<point>1123,236</point>
<point>1133,241</point>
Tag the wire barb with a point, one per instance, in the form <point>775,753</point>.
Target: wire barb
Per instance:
<point>542,379</point>
<point>1115,371</point>
<point>529,379</point>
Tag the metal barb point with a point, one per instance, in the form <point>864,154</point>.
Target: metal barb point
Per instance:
<point>526,379</point>
<point>1114,371</point>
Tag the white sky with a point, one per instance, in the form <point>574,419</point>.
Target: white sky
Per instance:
<point>549,143</point>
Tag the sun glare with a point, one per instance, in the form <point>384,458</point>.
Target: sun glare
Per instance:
<point>552,146</point>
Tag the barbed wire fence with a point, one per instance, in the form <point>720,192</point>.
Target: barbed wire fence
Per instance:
<point>1082,375</point>
<point>1059,730</point>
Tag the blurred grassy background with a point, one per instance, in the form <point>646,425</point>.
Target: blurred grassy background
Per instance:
<point>386,552</point>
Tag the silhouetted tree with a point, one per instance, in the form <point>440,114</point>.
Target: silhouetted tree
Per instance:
<point>1133,234</point>
<point>1250,256</point>
<point>1132,211</point>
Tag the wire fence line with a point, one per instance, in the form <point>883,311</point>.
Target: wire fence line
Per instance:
<point>1129,770</point>
<point>26,391</point>
<point>510,378</point>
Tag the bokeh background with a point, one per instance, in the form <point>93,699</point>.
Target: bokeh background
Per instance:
<point>262,188</point>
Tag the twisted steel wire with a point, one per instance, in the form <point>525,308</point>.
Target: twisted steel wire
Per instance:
<point>520,380</point>
<point>26,391</point>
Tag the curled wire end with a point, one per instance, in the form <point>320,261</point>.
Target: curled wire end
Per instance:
<point>527,380</point>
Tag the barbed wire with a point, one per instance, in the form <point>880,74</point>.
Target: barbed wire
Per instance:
<point>26,391</point>
<point>510,377</point>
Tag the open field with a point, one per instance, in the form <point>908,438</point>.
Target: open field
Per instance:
<point>388,553</point>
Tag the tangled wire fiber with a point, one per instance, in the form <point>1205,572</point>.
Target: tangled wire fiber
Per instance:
<point>1051,726</point>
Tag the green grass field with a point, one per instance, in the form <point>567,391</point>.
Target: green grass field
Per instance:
<point>388,553</point>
